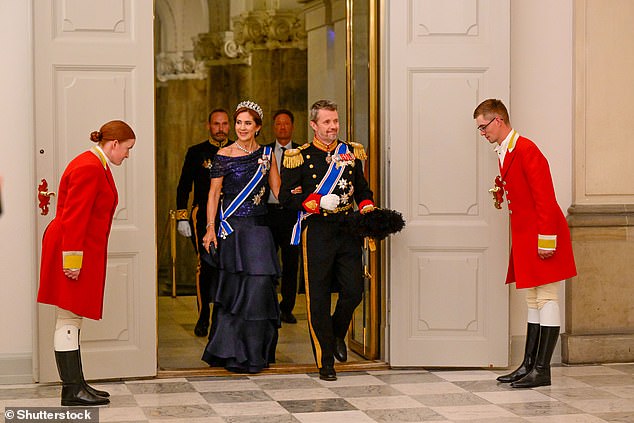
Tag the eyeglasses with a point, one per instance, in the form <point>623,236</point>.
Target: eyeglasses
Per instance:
<point>483,128</point>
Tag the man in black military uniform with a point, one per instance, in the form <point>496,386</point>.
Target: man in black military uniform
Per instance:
<point>196,171</point>
<point>323,179</point>
<point>282,219</point>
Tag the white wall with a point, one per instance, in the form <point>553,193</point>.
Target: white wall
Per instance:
<point>541,100</point>
<point>17,224</point>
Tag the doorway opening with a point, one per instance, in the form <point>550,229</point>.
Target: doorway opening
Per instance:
<point>281,54</point>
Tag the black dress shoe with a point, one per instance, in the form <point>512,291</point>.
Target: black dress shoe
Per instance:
<point>341,352</point>
<point>201,328</point>
<point>327,373</point>
<point>287,317</point>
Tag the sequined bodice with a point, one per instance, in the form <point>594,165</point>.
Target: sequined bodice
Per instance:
<point>237,172</point>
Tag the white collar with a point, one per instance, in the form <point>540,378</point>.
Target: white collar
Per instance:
<point>289,145</point>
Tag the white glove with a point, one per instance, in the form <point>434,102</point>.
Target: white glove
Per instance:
<point>329,201</point>
<point>184,229</point>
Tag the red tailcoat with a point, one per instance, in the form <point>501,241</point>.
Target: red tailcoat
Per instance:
<point>535,216</point>
<point>86,202</point>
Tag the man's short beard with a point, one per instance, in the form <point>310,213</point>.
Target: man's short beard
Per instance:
<point>216,138</point>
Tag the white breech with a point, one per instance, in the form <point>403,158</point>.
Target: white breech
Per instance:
<point>67,327</point>
<point>543,304</point>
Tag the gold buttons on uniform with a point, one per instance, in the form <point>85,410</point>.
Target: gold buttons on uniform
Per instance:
<point>314,176</point>
<point>350,172</point>
<point>307,156</point>
<point>311,166</point>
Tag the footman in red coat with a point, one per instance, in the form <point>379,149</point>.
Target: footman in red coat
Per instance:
<point>74,252</point>
<point>541,251</point>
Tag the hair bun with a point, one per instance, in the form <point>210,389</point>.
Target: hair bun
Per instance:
<point>96,136</point>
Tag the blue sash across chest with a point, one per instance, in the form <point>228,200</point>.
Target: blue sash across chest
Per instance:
<point>225,228</point>
<point>327,184</point>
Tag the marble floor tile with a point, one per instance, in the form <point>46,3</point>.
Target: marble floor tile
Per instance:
<point>568,418</point>
<point>179,411</point>
<point>166,399</point>
<point>257,408</point>
<point>515,396</point>
<point>544,409</point>
<point>576,394</point>
<point>473,412</point>
<point>464,375</point>
<point>301,394</point>
<point>287,383</point>
<point>383,403</point>
<point>408,378</point>
<point>220,385</point>
<point>440,400</point>
<point>626,391</point>
<point>607,380</point>
<point>365,391</point>
<point>356,380</point>
<point>585,371</point>
<point>490,385</point>
<point>428,388</point>
<point>402,415</point>
<point>280,418</point>
<point>595,406</point>
<point>235,396</point>
<point>160,387</point>
<point>622,367</point>
<point>317,405</point>
<point>122,414</point>
<point>335,417</point>
<point>618,417</point>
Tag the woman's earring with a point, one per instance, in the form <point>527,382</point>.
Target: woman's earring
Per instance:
<point>257,133</point>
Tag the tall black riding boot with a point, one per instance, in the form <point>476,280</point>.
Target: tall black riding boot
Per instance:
<point>530,352</point>
<point>540,375</point>
<point>87,387</point>
<point>73,389</point>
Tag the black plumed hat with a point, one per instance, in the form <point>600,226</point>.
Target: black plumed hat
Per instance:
<point>377,224</point>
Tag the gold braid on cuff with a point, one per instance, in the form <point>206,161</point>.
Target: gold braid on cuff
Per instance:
<point>182,214</point>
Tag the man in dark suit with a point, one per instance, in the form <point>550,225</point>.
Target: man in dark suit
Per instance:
<point>196,171</point>
<point>282,219</point>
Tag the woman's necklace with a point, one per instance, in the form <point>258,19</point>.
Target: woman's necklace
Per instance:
<point>243,149</point>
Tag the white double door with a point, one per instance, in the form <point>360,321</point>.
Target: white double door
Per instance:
<point>447,305</point>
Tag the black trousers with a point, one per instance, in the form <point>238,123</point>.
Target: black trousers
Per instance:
<point>206,275</point>
<point>332,262</point>
<point>281,222</point>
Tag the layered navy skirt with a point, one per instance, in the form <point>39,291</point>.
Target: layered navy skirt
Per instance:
<point>246,314</point>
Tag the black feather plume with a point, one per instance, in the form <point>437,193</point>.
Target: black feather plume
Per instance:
<point>377,224</point>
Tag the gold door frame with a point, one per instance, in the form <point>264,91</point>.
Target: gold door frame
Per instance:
<point>369,347</point>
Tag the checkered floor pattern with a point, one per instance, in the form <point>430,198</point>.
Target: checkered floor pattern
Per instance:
<point>578,394</point>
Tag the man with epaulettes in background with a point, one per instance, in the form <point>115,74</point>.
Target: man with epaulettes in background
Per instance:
<point>322,180</point>
<point>196,171</point>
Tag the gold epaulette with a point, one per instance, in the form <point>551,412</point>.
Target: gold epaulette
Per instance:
<point>359,151</point>
<point>182,214</point>
<point>293,158</point>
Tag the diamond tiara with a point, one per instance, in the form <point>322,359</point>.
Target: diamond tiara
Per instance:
<point>251,105</point>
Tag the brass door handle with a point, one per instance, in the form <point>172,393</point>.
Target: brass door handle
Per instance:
<point>44,197</point>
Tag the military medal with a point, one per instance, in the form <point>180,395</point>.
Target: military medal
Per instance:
<point>329,158</point>
<point>265,163</point>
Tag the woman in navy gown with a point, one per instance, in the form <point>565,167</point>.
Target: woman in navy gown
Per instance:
<point>246,310</point>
